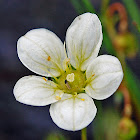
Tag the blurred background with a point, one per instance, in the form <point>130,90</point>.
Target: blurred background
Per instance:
<point>118,117</point>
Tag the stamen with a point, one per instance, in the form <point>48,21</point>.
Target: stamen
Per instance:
<point>70,77</point>
<point>90,78</point>
<point>53,84</point>
<point>67,60</point>
<point>57,97</point>
<point>83,99</point>
<point>50,74</point>
<point>44,79</point>
<point>49,58</point>
<point>65,64</point>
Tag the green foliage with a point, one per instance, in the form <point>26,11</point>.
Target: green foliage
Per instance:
<point>107,43</point>
<point>133,10</point>
<point>78,6</point>
<point>132,82</point>
<point>55,136</point>
<point>133,86</point>
<point>127,129</point>
<point>88,6</point>
<point>104,6</point>
<point>118,98</point>
<point>127,44</point>
<point>82,6</point>
<point>106,124</point>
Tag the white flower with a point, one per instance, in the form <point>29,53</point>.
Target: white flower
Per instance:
<point>75,80</point>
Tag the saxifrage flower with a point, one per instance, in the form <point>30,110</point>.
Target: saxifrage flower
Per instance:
<point>76,76</point>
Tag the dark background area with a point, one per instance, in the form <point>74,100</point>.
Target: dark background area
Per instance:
<point>19,121</point>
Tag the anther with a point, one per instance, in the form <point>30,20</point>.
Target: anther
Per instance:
<point>57,97</point>
<point>93,75</point>
<point>83,99</point>
<point>44,79</point>
<point>49,58</point>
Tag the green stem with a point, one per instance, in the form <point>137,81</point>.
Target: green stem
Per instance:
<point>104,6</point>
<point>88,5</point>
<point>84,134</point>
<point>133,10</point>
<point>78,6</point>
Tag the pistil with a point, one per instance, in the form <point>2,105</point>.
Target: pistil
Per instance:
<point>70,77</point>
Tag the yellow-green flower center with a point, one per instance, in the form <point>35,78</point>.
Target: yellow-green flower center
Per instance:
<point>72,82</point>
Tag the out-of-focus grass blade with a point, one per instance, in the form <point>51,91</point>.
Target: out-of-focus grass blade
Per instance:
<point>133,85</point>
<point>78,6</point>
<point>82,6</point>
<point>104,6</point>
<point>102,120</point>
<point>132,81</point>
<point>133,10</point>
<point>88,5</point>
<point>107,43</point>
<point>55,136</point>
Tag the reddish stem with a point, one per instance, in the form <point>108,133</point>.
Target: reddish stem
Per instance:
<point>127,101</point>
<point>118,7</point>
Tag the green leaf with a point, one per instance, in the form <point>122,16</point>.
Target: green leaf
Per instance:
<point>82,6</point>
<point>55,136</point>
<point>88,6</point>
<point>103,129</point>
<point>104,6</point>
<point>133,10</point>
<point>107,43</point>
<point>78,6</point>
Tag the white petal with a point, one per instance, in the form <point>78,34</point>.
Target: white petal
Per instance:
<point>73,113</point>
<point>34,90</point>
<point>83,40</point>
<point>41,51</point>
<point>107,75</point>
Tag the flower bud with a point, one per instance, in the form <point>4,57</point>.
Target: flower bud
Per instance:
<point>127,129</point>
<point>127,44</point>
